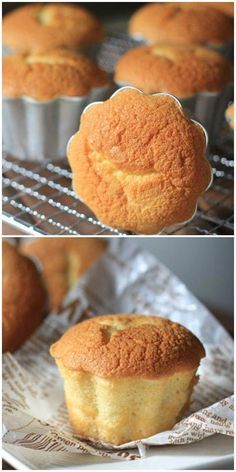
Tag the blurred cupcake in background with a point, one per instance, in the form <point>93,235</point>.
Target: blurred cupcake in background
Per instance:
<point>44,95</point>
<point>182,23</point>
<point>70,258</point>
<point>42,26</point>
<point>200,77</point>
<point>177,69</point>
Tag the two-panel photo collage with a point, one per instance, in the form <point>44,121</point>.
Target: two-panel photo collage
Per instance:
<point>117,236</point>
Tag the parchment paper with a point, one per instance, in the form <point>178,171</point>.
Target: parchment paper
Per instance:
<point>126,279</point>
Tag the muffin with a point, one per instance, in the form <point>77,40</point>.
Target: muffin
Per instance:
<point>127,377</point>
<point>64,261</point>
<point>43,97</point>
<point>181,23</point>
<point>24,297</point>
<point>42,26</point>
<point>177,69</point>
<point>139,162</point>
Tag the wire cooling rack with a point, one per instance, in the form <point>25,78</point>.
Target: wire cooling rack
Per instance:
<point>38,198</point>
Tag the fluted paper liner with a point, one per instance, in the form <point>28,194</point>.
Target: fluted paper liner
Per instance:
<point>36,427</point>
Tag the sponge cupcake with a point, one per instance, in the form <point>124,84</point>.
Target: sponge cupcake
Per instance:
<point>127,377</point>
<point>41,26</point>
<point>181,70</point>
<point>181,23</point>
<point>139,162</point>
<point>46,92</point>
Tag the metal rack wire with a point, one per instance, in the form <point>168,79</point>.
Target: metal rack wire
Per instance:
<point>38,198</point>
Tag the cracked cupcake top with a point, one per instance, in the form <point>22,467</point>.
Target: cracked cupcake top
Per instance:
<point>43,26</point>
<point>139,162</point>
<point>180,70</point>
<point>51,74</point>
<point>128,346</point>
<point>182,23</point>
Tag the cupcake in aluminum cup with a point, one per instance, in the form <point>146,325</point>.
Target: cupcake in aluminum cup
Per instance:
<point>42,26</point>
<point>183,23</point>
<point>139,162</point>
<point>43,97</point>
<point>198,76</point>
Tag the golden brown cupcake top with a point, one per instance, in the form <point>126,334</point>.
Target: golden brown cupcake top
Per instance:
<point>52,74</point>
<point>63,261</point>
<point>42,26</point>
<point>24,297</point>
<point>180,70</point>
<point>182,24</point>
<point>139,162</point>
<point>114,346</point>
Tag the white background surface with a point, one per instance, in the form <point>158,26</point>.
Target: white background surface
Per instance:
<point>205,265</point>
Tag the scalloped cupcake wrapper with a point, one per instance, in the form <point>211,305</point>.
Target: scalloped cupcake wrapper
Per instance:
<point>35,130</point>
<point>178,102</point>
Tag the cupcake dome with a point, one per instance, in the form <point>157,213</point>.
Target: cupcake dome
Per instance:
<point>180,70</point>
<point>181,24</point>
<point>127,377</point>
<point>43,26</point>
<point>138,162</point>
<point>51,74</point>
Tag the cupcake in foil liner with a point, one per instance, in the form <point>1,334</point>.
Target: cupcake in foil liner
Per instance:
<point>72,161</point>
<point>43,98</point>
